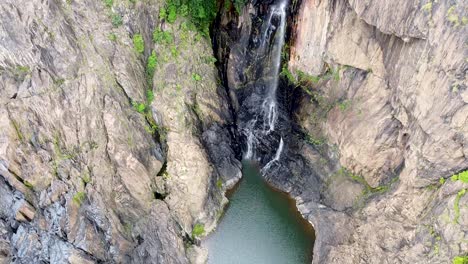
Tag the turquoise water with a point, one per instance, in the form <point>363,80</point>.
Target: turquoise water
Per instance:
<point>260,226</point>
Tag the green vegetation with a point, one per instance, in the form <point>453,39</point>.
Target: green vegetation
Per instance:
<point>427,7</point>
<point>20,72</point>
<point>287,74</point>
<point>442,180</point>
<point>128,229</point>
<point>196,77</point>
<point>368,189</point>
<point>344,105</point>
<point>456,205</point>
<point>162,13</point>
<point>79,197</point>
<point>59,82</point>
<point>460,260</point>
<point>112,37</point>
<point>314,140</point>
<point>238,5</point>
<point>86,178</point>
<point>436,237</point>
<point>219,183</point>
<point>116,20</point>
<point>201,13</point>
<point>149,96</point>
<point>160,36</point>
<point>452,17</point>
<point>150,68</point>
<point>209,59</point>
<point>109,3</point>
<point>28,184</point>
<point>19,134</point>
<point>462,176</point>
<point>198,230</point>
<point>306,80</point>
<point>139,107</point>
<point>172,14</point>
<point>138,43</point>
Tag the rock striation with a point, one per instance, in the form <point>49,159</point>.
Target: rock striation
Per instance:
<point>387,96</point>
<point>100,159</point>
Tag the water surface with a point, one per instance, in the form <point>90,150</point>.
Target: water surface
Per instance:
<point>260,226</point>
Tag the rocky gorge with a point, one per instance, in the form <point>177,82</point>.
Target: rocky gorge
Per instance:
<point>123,123</point>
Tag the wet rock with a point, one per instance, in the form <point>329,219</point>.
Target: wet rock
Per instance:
<point>219,146</point>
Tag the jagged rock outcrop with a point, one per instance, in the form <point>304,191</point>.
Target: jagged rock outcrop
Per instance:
<point>386,92</point>
<point>92,168</point>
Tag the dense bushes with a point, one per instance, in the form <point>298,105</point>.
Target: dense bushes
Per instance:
<point>200,12</point>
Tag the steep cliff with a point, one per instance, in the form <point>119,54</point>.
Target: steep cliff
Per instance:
<point>112,122</point>
<point>385,92</point>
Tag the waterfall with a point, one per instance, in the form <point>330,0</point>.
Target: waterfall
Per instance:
<point>276,158</point>
<point>270,104</point>
<point>267,58</point>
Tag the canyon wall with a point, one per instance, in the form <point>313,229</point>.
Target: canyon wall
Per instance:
<point>386,95</point>
<point>110,141</point>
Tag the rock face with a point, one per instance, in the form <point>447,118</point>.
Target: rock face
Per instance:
<point>391,103</point>
<point>92,168</point>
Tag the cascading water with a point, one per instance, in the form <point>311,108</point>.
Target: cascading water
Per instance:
<point>262,120</point>
<point>261,225</point>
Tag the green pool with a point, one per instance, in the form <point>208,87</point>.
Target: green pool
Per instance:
<point>260,225</point>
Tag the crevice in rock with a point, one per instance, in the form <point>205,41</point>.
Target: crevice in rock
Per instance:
<point>159,196</point>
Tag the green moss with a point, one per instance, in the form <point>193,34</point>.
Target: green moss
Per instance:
<point>109,3</point>
<point>86,178</point>
<point>116,20</point>
<point>112,37</point>
<point>151,67</point>
<point>128,229</point>
<point>138,43</point>
<point>19,134</point>
<point>368,188</point>
<point>174,52</point>
<point>196,77</point>
<point>287,74</point>
<point>460,260</point>
<point>314,140</point>
<point>79,197</point>
<point>456,205</point>
<point>464,20</point>
<point>427,7</point>
<point>20,72</point>
<point>59,82</point>
<point>198,230</point>
<point>462,176</point>
<point>452,17</point>
<point>149,96</point>
<point>344,105</point>
<point>442,180</point>
<point>239,5</point>
<point>139,107</point>
<point>219,183</point>
<point>28,184</point>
